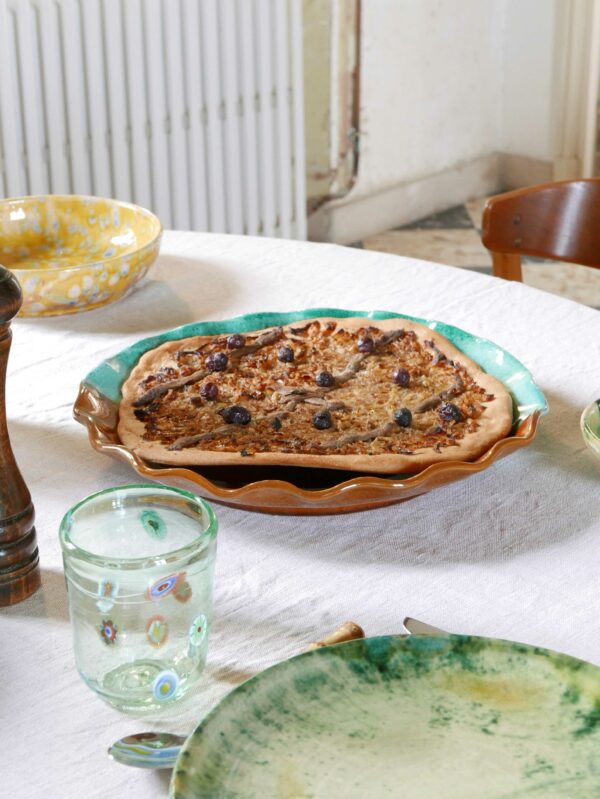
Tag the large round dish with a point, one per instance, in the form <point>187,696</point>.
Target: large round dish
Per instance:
<point>451,717</point>
<point>303,491</point>
<point>590,427</point>
<point>72,253</point>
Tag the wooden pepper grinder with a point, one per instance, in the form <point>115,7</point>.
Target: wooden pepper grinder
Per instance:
<point>19,560</point>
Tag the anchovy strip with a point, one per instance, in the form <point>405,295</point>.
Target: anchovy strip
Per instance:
<point>351,369</point>
<point>158,391</point>
<point>434,431</point>
<point>387,338</point>
<point>384,430</point>
<point>432,402</point>
<point>263,340</point>
<point>347,374</point>
<point>291,405</point>
<point>190,441</point>
<point>293,391</point>
<point>163,388</point>
<point>429,404</point>
<point>454,390</point>
<point>178,353</point>
<point>322,403</point>
<point>439,355</point>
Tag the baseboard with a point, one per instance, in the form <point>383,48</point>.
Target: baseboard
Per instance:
<point>357,216</point>
<point>517,171</point>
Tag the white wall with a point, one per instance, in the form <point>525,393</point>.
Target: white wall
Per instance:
<point>431,87</point>
<point>529,74</point>
<point>445,82</point>
<point>445,86</point>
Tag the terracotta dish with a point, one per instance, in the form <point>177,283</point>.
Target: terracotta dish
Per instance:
<point>304,490</point>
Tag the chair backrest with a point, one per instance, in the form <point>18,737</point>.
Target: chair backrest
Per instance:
<point>559,221</point>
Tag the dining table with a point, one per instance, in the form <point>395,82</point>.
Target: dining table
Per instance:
<point>511,552</point>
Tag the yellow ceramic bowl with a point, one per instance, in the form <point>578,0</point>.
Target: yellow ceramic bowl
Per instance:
<point>72,253</point>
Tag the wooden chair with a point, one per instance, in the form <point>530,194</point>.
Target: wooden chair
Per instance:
<point>558,221</point>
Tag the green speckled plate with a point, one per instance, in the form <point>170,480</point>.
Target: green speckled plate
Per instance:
<point>590,427</point>
<point>415,718</point>
<point>300,490</point>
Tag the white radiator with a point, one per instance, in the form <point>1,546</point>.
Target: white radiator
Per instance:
<point>193,108</point>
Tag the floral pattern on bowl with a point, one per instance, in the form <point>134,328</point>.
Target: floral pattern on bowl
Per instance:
<point>72,253</point>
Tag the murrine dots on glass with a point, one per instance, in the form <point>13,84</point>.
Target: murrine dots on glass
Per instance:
<point>164,586</point>
<point>157,631</point>
<point>165,685</point>
<point>108,631</point>
<point>183,591</point>
<point>153,524</point>
<point>107,592</point>
<point>197,633</point>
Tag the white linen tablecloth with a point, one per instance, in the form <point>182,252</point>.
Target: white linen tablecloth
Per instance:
<point>512,552</point>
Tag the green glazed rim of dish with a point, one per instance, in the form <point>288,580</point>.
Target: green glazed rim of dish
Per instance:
<point>379,651</point>
<point>110,375</point>
<point>86,264</point>
<point>72,550</point>
<point>591,410</point>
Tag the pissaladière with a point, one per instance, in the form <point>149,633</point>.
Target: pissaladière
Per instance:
<point>386,396</point>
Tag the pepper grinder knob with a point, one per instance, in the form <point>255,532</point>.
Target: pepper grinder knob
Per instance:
<point>19,559</point>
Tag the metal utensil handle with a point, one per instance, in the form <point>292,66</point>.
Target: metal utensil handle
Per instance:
<point>348,631</point>
<point>416,627</point>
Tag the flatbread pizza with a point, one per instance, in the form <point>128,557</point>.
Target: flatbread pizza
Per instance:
<point>388,396</point>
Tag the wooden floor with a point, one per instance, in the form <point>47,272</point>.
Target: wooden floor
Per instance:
<point>453,237</point>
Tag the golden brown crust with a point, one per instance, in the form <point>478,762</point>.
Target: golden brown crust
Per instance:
<point>491,425</point>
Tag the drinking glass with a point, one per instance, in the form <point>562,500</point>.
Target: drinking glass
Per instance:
<point>139,563</point>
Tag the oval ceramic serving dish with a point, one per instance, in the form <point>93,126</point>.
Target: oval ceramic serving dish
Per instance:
<point>303,491</point>
<point>421,717</point>
<point>72,253</point>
